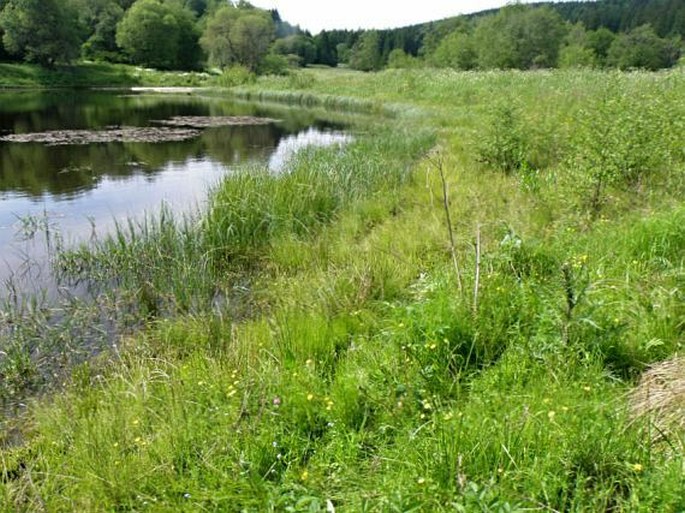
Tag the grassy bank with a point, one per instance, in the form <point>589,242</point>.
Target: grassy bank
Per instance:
<point>321,341</point>
<point>93,75</point>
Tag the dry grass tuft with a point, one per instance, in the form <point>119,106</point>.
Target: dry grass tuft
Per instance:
<point>660,398</point>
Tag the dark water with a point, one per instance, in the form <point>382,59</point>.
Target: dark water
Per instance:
<point>78,191</point>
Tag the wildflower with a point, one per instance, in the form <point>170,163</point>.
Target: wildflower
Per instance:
<point>551,414</point>
<point>135,422</point>
<point>421,480</point>
<point>276,401</point>
<point>448,416</point>
<point>186,495</point>
<point>586,388</point>
<point>304,475</point>
<point>309,362</point>
<point>310,397</point>
<point>637,467</point>
<point>399,404</point>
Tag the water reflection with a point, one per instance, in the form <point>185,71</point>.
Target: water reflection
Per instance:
<point>290,145</point>
<point>76,189</point>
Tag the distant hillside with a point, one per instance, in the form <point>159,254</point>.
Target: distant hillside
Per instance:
<point>666,17</point>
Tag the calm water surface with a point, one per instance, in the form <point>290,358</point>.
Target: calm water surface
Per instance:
<point>80,190</point>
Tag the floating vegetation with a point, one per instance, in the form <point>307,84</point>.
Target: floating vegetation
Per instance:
<point>122,134</point>
<point>215,121</point>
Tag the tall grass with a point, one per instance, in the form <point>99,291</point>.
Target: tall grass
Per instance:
<point>362,378</point>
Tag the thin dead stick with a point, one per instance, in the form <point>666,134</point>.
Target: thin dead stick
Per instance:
<point>477,281</point>
<point>446,204</point>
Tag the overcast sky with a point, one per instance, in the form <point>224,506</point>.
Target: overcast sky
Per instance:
<point>316,15</point>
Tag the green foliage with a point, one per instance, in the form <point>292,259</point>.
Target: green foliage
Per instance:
<point>642,48</point>
<point>456,51</point>
<point>360,378</point>
<point>621,139</point>
<point>519,37</point>
<point>41,31</point>
<point>235,76</point>
<point>273,64</point>
<point>365,55</point>
<point>100,18</point>
<point>238,36</point>
<point>504,147</point>
<point>398,59</point>
<point>299,48</point>
<point>159,34</point>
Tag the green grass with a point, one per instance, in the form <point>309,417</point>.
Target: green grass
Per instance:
<point>94,75</point>
<point>305,340</point>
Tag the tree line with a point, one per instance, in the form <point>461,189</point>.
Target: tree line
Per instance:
<point>196,34</point>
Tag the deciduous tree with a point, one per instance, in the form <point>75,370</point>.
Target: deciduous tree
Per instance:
<point>41,31</point>
<point>160,34</point>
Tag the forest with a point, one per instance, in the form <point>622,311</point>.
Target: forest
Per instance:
<point>216,35</point>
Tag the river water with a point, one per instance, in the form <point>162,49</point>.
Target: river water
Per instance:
<point>82,190</point>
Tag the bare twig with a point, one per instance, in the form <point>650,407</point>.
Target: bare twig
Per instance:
<point>476,285</point>
<point>439,165</point>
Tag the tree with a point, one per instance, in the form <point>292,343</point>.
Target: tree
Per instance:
<point>238,35</point>
<point>455,51</point>
<point>642,48</point>
<point>251,36</point>
<point>366,53</point>
<point>100,19</point>
<point>520,37</point>
<point>577,52</point>
<point>399,59</point>
<point>298,48</point>
<point>326,50</point>
<point>41,31</point>
<point>160,34</point>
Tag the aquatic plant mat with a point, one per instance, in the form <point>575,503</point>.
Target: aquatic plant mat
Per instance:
<point>124,134</point>
<point>176,129</point>
<point>215,121</point>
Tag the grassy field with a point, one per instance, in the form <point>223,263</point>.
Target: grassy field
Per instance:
<point>452,313</point>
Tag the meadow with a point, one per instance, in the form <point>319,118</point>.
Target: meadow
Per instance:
<point>455,312</point>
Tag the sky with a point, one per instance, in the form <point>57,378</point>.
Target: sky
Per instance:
<point>316,15</point>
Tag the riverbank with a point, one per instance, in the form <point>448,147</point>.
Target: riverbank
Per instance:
<point>449,314</point>
<point>85,75</point>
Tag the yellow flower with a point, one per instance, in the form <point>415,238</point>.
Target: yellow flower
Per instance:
<point>421,480</point>
<point>636,467</point>
<point>551,414</point>
<point>310,397</point>
<point>304,475</point>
